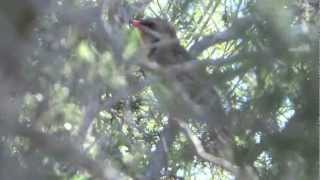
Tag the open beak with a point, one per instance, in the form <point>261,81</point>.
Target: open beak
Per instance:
<point>139,24</point>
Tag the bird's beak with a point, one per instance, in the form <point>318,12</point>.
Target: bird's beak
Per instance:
<point>135,23</point>
<point>143,29</point>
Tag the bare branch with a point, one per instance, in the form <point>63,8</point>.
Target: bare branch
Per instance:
<point>91,109</point>
<point>196,64</point>
<point>203,154</point>
<point>233,32</point>
<point>158,157</point>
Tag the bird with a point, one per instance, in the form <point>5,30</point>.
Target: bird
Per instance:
<point>159,39</point>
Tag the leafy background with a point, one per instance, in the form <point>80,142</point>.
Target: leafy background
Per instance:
<point>74,103</point>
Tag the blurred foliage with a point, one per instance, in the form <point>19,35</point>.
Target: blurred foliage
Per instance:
<point>61,74</point>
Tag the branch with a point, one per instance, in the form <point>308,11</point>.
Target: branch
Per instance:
<point>194,65</point>
<point>159,159</point>
<point>203,154</point>
<point>239,26</point>
<point>91,109</point>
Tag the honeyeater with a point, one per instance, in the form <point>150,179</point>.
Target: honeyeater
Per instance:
<point>189,94</point>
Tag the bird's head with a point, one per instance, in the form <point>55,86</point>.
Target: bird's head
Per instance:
<point>154,30</point>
